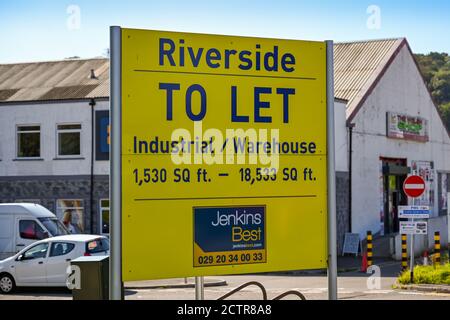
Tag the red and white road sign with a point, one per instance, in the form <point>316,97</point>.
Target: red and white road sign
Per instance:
<point>414,186</point>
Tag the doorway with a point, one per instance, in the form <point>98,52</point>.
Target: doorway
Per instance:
<point>395,172</point>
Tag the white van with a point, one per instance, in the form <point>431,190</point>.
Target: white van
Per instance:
<point>21,224</point>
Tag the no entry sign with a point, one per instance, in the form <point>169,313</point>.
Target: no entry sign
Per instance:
<point>414,186</point>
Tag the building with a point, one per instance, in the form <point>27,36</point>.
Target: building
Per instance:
<point>395,130</point>
<point>50,115</point>
<point>54,150</point>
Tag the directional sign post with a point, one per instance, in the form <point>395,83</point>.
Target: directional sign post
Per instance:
<point>416,227</point>
<point>448,222</point>
<point>414,212</point>
<point>414,187</point>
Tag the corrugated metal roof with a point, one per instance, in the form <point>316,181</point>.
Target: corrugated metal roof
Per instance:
<point>54,80</point>
<point>356,67</point>
<point>7,93</point>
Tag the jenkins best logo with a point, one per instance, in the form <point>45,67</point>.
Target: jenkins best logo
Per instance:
<point>244,226</point>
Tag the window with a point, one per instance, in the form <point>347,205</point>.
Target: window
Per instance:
<point>97,246</point>
<point>29,229</point>
<point>104,216</point>
<point>36,252</point>
<point>29,141</point>
<point>61,248</point>
<point>443,189</point>
<point>68,139</point>
<point>71,214</point>
<point>54,226</point>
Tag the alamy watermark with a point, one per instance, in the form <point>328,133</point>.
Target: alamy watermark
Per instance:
<point>73,21</point>
<point>374,20</point>
<point>229,146</point>
<point>374,281</point>
<point>237,146</point>
<point>73,280</point>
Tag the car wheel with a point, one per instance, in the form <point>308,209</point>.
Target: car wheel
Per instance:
<point>7,284</point>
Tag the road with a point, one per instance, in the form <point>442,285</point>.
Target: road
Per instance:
<point>351,285</point>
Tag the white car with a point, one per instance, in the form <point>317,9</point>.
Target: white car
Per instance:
<point>44,263</point>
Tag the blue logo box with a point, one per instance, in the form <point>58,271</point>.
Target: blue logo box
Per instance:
<point>218,229</point>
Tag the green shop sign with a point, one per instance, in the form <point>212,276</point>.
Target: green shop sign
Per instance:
<point>401,126</point>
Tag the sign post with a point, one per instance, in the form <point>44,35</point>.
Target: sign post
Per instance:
<point>414,187</point>
<point>115,183</point>
<point>222,157</point>
<point>448,223</point>
<point>331,178</point>
<point>411,265</point>
<point>199,288</point>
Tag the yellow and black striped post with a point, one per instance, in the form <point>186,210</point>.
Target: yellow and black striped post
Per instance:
<point>404,252</point>
<point>437,248</point>
<point>369,248</point>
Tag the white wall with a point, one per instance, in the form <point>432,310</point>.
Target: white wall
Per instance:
<point>340,138</point>
<point>400,90</point>
<point>48,115</point>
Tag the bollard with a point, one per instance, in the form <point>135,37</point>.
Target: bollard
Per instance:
<point>369,248</point>
<point>404,253</point>
<point>425,258</point>
<point>437,248</point>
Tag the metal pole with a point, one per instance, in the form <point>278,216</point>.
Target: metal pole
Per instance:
<point>331,178</point>
<point>115,183</point>
<point>199,288</point>
<point>350,169</point>
<point>448,224</point>
<point>411,266</point>
<point>91,191</point>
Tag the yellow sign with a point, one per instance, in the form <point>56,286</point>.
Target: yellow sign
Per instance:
<point>223,155</point>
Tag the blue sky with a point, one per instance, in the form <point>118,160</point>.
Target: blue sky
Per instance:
<point>49,30</point>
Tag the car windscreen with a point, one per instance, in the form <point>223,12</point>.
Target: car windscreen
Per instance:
<point>54,226</point>
<point>97,245</point>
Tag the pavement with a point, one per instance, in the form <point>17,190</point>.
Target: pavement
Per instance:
<point>345,264</point>
<point>351,263</point>
<point>352,285</point>
<point>436,288</point>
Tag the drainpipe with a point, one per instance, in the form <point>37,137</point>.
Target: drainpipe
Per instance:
<point>92,104</point>
<point>350,151</point>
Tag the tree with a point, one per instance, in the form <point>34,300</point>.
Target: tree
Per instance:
<point>440,86</point>
<point>445,112</point>
<point>435,68</point>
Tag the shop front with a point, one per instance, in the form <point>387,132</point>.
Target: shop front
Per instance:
<point>394,173</point>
